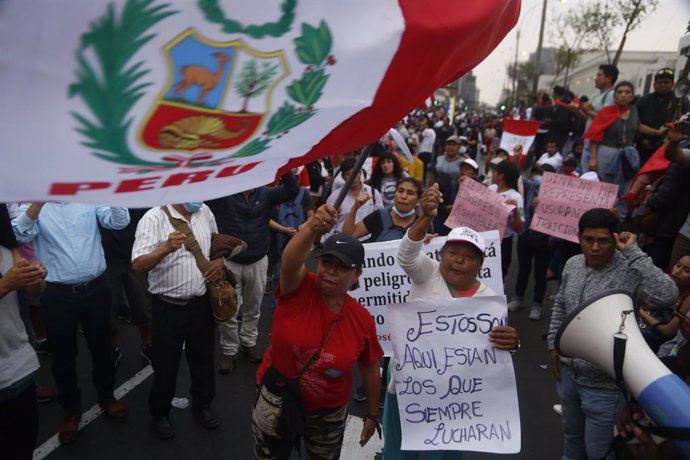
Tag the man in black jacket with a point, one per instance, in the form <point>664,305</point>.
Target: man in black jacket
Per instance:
<point>246,214</point>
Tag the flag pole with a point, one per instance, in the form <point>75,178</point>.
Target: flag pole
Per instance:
<point>355,170</point>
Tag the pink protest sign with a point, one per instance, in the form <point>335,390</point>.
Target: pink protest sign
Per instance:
<point>563,199</point>
<point>479,208</point>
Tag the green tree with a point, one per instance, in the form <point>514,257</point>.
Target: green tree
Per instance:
<point>601,19</point>
<point>632,13</point>
<point>253,80</point>
<point>572,31</point>
<point>522,74</point>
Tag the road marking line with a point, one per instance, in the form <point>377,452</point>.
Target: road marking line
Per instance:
<point>92,414</point>
<point>351,448</point>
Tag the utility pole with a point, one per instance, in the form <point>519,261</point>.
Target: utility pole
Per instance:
<point>537,64</point>
<point>515,71</point>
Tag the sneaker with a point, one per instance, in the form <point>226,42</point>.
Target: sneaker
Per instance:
<point>535,312</point>
<point>44,395</point>
<point>227,364</point>
<point>253,354</point>
<point>359,394</point>
<point>557,409</point>
<point>146,353</point>
<point>117,356</point>
<point>514,304</point>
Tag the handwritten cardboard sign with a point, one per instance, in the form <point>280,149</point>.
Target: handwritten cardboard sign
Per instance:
<point>563,199</point>
<point>383,282</point>
<point>479,208</point>
<point>455,390</point>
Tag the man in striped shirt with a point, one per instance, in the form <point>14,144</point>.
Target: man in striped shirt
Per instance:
<point>181,310</point>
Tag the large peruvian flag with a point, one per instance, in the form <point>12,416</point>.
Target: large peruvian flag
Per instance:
<point>144,102</point>
<point>518,132</point>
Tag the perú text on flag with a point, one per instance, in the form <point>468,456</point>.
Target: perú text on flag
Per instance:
<point>145,102</point>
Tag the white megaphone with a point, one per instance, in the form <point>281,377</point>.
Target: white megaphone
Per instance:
<point>589,333</point>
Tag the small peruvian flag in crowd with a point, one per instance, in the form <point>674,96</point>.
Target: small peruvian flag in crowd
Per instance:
<point>518,132</point>
<point>146,102</point>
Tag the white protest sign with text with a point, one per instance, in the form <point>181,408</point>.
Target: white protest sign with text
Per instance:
<point>563,199</point>
<point>455,390</point>
<point>383,282</point>
<point>479,208</point>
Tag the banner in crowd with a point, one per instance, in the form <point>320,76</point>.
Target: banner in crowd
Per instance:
<point>563,199</point>
<point>145,102</point>
<point>383,282</point>
<point>479,208</point>
<point>455,390</point>
<point>518,132</point>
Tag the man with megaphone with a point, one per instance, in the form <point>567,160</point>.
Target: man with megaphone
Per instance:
<point>610,259</point>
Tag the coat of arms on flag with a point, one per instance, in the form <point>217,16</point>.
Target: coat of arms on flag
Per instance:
<point>135,99</point>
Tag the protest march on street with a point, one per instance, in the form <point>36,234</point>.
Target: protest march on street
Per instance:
<point>361,249</point>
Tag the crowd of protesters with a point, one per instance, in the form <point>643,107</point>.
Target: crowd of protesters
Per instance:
<point>71,266</point>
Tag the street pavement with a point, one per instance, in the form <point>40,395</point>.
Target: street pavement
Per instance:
<point>104,440</point>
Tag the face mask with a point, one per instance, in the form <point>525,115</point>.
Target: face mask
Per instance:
<point>463,149</point>
<point>403,214</point>
<point>194,206</point>
<point>537,179</point>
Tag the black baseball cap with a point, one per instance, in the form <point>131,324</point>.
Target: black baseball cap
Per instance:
<point>509,169</point>
<point>664,73</point>
<point>346,248</point>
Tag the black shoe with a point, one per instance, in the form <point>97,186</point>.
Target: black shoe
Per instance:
<point>162,428</point>
<point>146,352</point>
<point>226,364</point>
<point>253,354</point>
<point>206,417</point>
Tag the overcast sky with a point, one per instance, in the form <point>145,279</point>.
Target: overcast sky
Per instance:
<point>659,31</point>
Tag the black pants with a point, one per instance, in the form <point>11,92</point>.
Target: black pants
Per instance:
<point>19,425</point>
<point>128,289</point>
<point>171,326</point>
<point>63,311</point>
<point>536,249</point>
<point>506,254</point>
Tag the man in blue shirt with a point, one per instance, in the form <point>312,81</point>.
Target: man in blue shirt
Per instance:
<point>67,241</point>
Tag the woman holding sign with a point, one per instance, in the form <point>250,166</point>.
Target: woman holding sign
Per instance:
<point>455,275</point>
<point>319,333</point>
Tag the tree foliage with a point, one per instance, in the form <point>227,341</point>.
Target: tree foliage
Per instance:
<point>632,13</point>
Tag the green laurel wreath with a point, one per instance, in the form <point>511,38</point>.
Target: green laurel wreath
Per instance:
<point>214,13</point>
<point>112,95</point>
<point>113,89</point>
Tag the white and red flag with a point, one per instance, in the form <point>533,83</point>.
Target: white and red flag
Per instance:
<point>518,132</point>
<point>143,102</point>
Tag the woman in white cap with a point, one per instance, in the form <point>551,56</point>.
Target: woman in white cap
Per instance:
<point>455,275</point>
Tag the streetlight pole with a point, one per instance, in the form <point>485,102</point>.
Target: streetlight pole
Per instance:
<point>515,71</point>
<point>537,64</point>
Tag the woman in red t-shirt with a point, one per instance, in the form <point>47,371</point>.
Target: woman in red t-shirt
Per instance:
<point>315,317</point>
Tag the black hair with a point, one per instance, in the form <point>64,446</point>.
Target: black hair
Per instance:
<point>475,249</point>
<point>610,71</point>
<point>624,83</point>
<point>7,238</point>
<point>415,182</point>
<point>599,218</point>
<point>377,173</point>
<point>347,165</point>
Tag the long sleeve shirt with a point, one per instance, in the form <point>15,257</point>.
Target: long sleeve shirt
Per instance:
<point>66,238</point>
<point>247,217</point>
<point>630,269</point>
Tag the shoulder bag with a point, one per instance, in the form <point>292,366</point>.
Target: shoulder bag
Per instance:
<point>222,293</point>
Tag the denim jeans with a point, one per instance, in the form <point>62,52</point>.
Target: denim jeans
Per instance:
<point>589,415</point>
